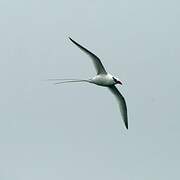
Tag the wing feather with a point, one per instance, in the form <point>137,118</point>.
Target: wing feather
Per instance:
<point>96,61</point>
<point>122,104</point>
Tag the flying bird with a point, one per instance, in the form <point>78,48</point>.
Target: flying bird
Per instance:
<point>103,78</point>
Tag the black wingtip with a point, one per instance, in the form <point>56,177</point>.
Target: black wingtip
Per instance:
<point>126,124</point>
<point>75,42</point>
<point>70,39</point>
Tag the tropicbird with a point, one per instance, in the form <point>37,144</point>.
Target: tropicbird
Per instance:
<point>103,78</point>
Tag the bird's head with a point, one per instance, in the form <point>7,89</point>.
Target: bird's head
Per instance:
<point>117,81</point>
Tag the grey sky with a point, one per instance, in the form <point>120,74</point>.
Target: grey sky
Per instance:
<point>75,131</point>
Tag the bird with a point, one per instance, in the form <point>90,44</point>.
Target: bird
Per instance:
<point>102,78</point>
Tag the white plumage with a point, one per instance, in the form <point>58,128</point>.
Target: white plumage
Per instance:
<point>102,78</point>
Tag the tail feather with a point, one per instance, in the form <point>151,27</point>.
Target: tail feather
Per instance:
<point>67,80</point>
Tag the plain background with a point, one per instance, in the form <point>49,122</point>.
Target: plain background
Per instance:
<point>75,131</point>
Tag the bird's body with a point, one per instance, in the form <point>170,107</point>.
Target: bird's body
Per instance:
<point>103,78</point>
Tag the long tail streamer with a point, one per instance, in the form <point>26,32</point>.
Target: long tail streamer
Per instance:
<point>61,81</point>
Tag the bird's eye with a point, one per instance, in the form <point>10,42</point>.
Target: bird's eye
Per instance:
<point>115,80</point>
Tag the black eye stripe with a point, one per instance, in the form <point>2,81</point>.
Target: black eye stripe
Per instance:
<point>114,79</point>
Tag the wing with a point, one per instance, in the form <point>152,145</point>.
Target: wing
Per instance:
<point>96,61</point>
<point>122,104</point>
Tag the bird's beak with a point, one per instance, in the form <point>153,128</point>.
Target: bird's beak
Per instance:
<point>119,82</point>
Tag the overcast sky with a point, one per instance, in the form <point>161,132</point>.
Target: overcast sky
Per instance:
<point>75,131</point>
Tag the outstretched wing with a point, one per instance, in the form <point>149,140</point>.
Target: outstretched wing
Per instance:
<point>122,104</point>
<point>96,61</point>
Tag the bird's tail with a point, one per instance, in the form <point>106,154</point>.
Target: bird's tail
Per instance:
<point>61,81</point>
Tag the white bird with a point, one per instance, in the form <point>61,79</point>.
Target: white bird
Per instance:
<point>103,78</point>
